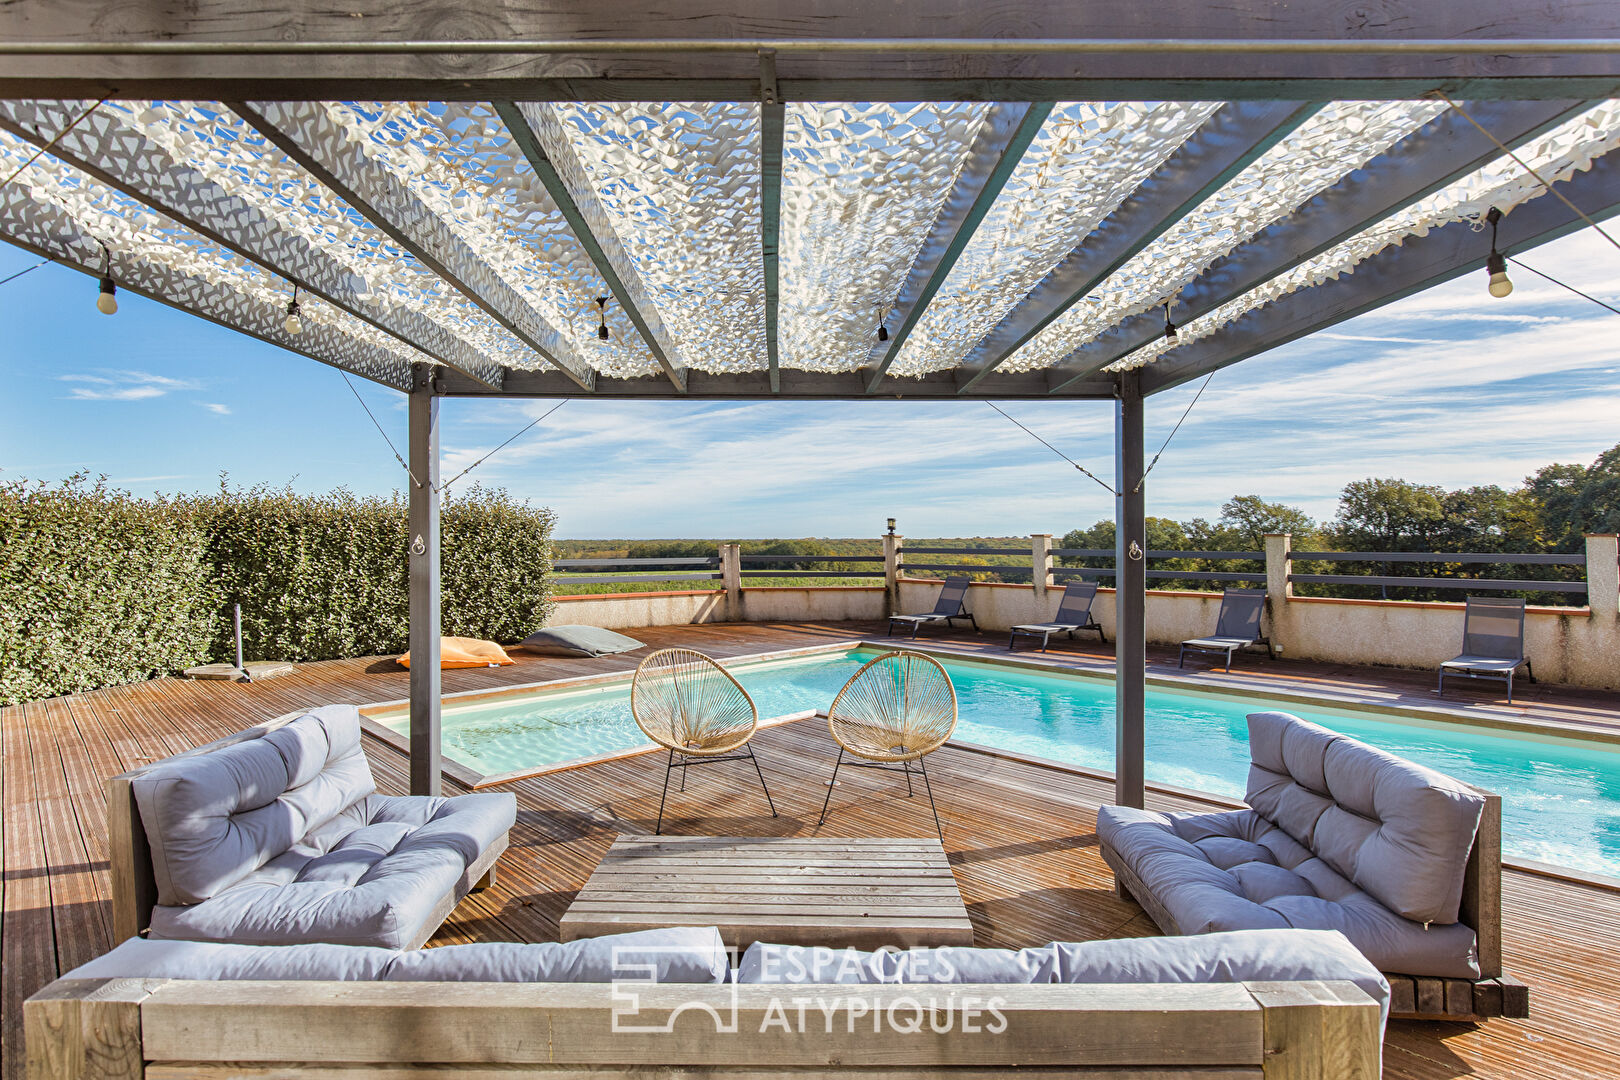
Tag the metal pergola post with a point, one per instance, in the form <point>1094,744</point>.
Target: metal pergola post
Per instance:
<point>423,547</point>
<point>1130,596</point>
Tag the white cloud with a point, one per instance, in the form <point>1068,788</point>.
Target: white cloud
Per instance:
<point>123,386</point>
<point>216,407</point>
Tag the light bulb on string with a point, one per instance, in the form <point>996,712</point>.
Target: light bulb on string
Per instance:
<point>1169,327</point>
<point>601,318</point>
<point>107,301</point>
<point>1496,262</point>
<point>293,324</point>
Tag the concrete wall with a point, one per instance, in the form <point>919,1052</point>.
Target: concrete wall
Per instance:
<point>615,611</point>
<point>784,604</point>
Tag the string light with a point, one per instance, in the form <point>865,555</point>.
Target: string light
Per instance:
<point>883,329</point>
<point>1169,327</point>
<point>294,325</point>
<point>107,302</point>
<point>601,318</point>
<point>1496,262</point>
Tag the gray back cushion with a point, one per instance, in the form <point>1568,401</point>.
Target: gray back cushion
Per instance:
<point>677,955</point>
<point>1234,956</point>
<point>214,818</point>
<point>1399,831</point>
<point>682,954</point>
<point>578,641</point>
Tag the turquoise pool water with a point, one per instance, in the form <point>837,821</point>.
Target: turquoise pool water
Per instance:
<point>1561,797</point>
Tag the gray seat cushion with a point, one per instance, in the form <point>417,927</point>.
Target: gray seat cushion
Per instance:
<point>374,874</point>
<point>214,818</point>
<point>678,955</point>
<point>1400,831</point>
<point>1484,663</point>
<point>1218,642</point>
<point>578,641</point>
<point>1238,871</point>
<point>1253,955</point>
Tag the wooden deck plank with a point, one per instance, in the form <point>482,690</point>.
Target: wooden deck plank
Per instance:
<point>1019,837</point>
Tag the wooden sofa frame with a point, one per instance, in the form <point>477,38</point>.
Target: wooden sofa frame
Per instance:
<point>134,886</point>
<point>1421,997</point>
<point>202,1030</point>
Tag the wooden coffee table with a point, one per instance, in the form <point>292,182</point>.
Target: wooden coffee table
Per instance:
<point>860,893</point>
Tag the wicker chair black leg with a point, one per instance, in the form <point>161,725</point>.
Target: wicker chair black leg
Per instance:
<point>938,829</point>
<point>668,766</point>
<point>830,785</point>
<point>768,800</point>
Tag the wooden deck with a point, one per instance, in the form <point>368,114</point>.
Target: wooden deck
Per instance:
<point>1020,836</point>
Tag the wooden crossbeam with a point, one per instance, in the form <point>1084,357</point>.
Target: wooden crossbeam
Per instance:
<point>1002,141</point>
<point>51,231</point>
<point>1225,145</point>
<point>125,159</point>
<point>1419,263</point>
<point>1441,152</point>
<point>321,146</point>
<point>580,208</point>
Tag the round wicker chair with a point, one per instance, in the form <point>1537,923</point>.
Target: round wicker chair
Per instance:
<point>895,710</point>
<point>687,703</point>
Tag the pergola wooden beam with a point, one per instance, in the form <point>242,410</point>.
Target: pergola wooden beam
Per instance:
<point>50,231</point>
<point>1396,272</point>
<point>1440,153</point>
<point>790,384</point>
<point>1226,144</point>
<point>305,133</point>
<point>772,132</point>
<point>618,270</point>
<point>995,153</point>
<point>125,159</point>
<point>827,50</point>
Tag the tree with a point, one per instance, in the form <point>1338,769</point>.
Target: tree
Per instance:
<point>1571,500</point>
<point>1250,518</point>
<point>1487,518</point>
<point>1389,515</point>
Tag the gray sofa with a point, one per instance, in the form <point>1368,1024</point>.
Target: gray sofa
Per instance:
<point>1339,836</point>
<point>278,836</point>
<point>1279,1005</point>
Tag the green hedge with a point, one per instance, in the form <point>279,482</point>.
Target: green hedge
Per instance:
<point>98,587</point>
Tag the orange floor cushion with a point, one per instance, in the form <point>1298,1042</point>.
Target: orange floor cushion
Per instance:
<point>456,652</point>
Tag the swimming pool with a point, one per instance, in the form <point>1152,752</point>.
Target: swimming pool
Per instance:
<point>1561,797</point>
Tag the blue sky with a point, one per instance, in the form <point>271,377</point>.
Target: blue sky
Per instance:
<point>1449,387</point>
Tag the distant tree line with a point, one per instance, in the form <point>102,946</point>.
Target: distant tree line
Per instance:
<point>1551,511</point>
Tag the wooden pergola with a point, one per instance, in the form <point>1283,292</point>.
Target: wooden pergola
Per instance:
<point>829,199</point>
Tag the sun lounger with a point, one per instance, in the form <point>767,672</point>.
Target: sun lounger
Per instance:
<point>1237,627</point>
<point>947,609</point>
<point>1493,642</point>
<point>1073,614</point>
